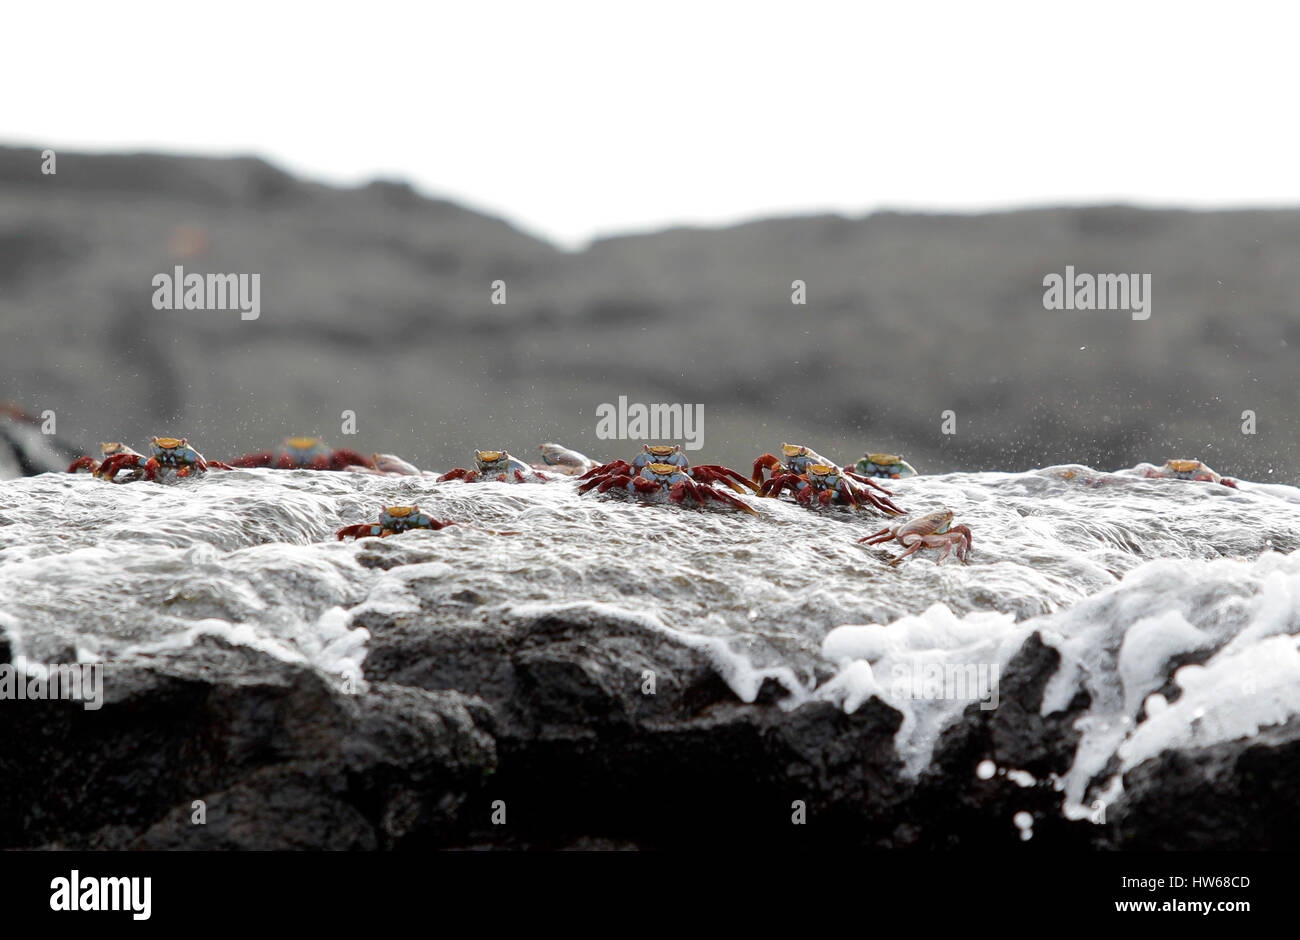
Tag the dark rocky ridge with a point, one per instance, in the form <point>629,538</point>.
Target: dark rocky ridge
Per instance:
<point>547,715</point>
<point>377,300</point>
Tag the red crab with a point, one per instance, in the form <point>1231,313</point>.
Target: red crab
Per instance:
<point>933,530</point>
<point>165,453</point>
<point>808,474</point>
<point>664,467</point>
<point>305,453</point>
<point>394,520</point>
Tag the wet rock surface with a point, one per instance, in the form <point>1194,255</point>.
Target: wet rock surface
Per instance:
<point>545,723</point>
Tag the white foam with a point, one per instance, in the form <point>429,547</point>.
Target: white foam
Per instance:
<point>1117,646</point>
<point>901,655</point>
<point>1234,695</point>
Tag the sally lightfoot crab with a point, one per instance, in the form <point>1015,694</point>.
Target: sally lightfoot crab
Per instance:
<point>1186,470</point>
<point>305,453</point>
<point>107,449</point>
<point>792,468</point>
<point>165,454</point>
<point>394,520</point>
<point>933,530</point>
<point>661,468</point>
<point>673,455</point>
<point>559,459</point>
<point>884,466</point>
<point>496,465</point>
<point>827,484</point>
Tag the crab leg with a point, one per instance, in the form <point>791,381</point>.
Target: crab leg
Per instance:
<point>725,497</point>
<point>356,531</point>
<point>852,474</point>
<point>914,542</point>
<point>614,466</point>
<point>774,486</point>
<point>724,475</point>
<point>963,546</point>
<point>883,503</point>
<point>109,468</point>
<point>884,535</point>
<point>702,493</point>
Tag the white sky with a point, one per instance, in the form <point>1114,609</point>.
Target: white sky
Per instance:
<point>575,119</point>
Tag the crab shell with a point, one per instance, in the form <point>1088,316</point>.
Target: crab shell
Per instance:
<point>497,461</point>
<point>824,474</point>
<point>175,448</point>
<point>664,473</point>
<point>932,523</point>
<point>670,454</point>
<point>891,462</point>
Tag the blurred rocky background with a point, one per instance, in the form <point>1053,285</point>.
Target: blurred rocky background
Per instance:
<point>378,300</point>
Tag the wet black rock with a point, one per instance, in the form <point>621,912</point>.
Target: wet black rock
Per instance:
<point>579,730</point>
<point>956,807</point>
<point>1233,796</point>
<point>279,757</point>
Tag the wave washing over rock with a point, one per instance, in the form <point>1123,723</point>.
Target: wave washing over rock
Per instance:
<point>1141,637</point>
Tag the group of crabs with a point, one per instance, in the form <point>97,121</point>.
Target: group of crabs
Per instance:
<point>656,471</point>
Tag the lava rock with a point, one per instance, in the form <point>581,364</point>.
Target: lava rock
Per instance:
<point>1232,796</point>
<point>280,757</point>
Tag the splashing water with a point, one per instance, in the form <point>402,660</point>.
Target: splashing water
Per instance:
<point>1118,573</point>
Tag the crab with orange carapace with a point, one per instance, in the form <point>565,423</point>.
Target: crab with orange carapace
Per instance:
<point>107,449</point>
<point>496,465</point>
<point>1187,470</point>
<point>665,467</point>
<point>794,464</point>
<point>827,484</point>
<point>305,453</point>
<point>394,520</point>
<point>884,466</point>
<point>166,454</point>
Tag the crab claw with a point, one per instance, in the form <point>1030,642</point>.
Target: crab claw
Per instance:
<point>357,531</point>
<point>766,462</point>
<point>343,458</point>
<point>84,463</point>
<point>109,468</point>
<point>605,469</point>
